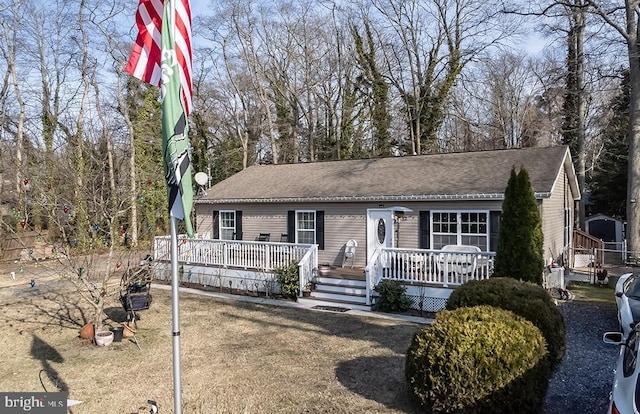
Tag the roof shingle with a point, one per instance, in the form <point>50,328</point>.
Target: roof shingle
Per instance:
<point>453,175</point>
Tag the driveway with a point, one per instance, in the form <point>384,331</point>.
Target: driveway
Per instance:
<point>582,382</point>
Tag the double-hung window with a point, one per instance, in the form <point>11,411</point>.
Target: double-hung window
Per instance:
<point>227,224</point>
<point>305,227</point>
<point>460,227</point>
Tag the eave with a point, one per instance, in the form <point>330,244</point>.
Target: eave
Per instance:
<point>376,198</point>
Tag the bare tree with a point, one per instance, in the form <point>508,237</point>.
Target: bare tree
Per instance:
<point>243,27</point>
<point>9,47</point>
<point>623,17</point>
<point>426,46</point>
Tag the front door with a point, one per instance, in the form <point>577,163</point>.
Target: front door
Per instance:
<point>379,230</point>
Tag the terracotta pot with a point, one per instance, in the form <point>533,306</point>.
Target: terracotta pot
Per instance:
<point>87,331</point>
<point>129,330</point>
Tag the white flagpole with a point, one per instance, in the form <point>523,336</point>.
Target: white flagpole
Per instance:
<point>177,403</point>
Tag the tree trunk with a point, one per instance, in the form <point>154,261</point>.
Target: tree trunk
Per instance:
<point>633,186</point>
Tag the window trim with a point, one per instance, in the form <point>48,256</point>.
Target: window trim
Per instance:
<point>567,226</point>
<point>315,225</point>
<point>221,227</point>
<point>459,233</point>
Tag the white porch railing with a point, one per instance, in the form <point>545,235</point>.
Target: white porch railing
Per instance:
<point>308,267</point>
<point>260,256</point>
<point>433,267</point>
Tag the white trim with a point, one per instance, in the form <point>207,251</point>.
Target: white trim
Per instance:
<point>220,227</point>
<point>568,168</point>
<point>381,198</point>
<point>459,233</point>
<point>315,224</point>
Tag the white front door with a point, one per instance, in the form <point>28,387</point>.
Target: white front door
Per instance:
<point>379,230</point>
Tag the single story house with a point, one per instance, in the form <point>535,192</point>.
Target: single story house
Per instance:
<point>421,202</point>
<point>430,222</point>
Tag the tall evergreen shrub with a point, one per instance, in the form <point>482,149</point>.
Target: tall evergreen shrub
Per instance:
<point>519,253</point>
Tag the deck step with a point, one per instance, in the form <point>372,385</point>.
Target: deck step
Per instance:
<point>344,289</point>
<point>322,280</point>
<point>338,296</point>
<point>358,290</point>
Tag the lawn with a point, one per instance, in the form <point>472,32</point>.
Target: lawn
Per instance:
<point>592,293</point>
<point>235,357</point>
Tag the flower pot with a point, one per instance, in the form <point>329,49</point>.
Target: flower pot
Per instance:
<point>324,270</point>
<point>118,332</point>
<point>87,331</point>
<point>129,330</point>
<point>104,338</point>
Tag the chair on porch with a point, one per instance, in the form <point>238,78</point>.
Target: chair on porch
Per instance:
<point>263,237</point>
<point>350,252</point>
<point>458,260</point>
<point>284,238</point>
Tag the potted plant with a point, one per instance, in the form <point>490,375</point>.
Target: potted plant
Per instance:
<point>306,291</point>
<point>324,269</point>
<point>104,338</point>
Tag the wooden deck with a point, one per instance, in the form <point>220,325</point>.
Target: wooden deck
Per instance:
<point>337,272</point>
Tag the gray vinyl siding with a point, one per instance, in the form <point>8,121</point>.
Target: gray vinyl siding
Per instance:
<point>342,221</point>
<point>552,215</point>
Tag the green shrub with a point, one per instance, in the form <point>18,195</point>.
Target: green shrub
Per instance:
<point>519,253</point>
<point>392,296</point>
<point>528,300</point>
<point>289,279</point>
<point>480,359</point>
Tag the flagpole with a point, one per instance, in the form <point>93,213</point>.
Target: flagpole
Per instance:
<point>177,403</point>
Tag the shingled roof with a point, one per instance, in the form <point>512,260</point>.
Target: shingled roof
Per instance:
<point>464,175</point>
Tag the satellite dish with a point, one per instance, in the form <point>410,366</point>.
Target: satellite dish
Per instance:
<point>201,178</point>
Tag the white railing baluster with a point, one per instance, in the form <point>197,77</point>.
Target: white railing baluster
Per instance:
<point>263,256</point>
<point>404,265</point>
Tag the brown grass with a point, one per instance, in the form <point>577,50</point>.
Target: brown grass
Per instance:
<point>235,357</point>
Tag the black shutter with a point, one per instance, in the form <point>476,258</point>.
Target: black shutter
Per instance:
<point>425,230</point>
<point>291,226</point>
<point>238,225</point>
<point>320,229</point>
<point>494,226</point>
<point>216,216</point>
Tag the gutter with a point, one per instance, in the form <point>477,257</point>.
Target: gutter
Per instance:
<point>347,199</point>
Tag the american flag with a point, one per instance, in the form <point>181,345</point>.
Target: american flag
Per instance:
<point>161,56</point>
<point>144,61</point>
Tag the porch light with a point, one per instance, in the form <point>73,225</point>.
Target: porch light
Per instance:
<point>398,214</point>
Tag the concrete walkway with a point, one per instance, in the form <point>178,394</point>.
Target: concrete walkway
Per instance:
<point>289,304</point>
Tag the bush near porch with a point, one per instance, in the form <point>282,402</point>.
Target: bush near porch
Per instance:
<point>465,363</point>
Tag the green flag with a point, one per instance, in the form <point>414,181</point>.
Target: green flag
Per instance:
<point>175,127</point>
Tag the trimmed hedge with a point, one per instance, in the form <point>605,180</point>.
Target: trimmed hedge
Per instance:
<point>479,359</point>
<point>528,300</point>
